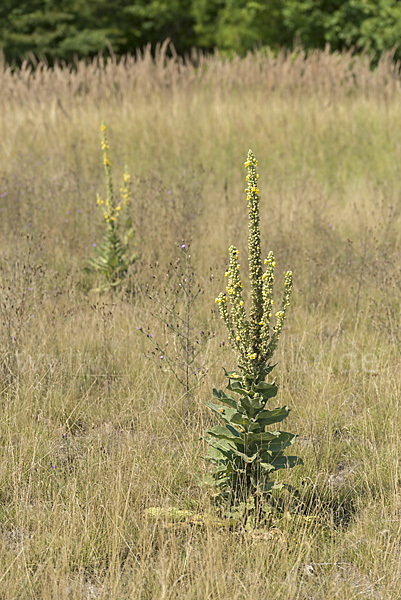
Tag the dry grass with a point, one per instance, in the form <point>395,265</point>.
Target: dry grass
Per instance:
<point>92,433</point>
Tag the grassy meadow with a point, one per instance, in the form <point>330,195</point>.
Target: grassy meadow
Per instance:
<point>95,428</point>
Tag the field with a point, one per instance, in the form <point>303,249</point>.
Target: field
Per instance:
<point>94,428</point>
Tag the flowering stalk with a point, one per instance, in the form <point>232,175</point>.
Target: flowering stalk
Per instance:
<point>244,453</point>
<point>252,339</point>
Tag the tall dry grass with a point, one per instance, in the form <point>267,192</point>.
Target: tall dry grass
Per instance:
<point>93,432</point>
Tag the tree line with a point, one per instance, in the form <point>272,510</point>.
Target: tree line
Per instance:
<point>63,29</point>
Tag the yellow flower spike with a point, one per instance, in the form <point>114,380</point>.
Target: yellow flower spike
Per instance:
<point>103,128</point>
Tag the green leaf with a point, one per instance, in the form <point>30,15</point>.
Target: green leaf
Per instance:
<point>286,462</point>
<point>279,443</point>
<point>239,419</point>
<point>268,417</point>
<point>220,395</point>
<point>235,386</point>
<point>266,390</point>
<point>267,466</point>
<point>223,412</point>
<point>229,449</point>
<point>226,432</point>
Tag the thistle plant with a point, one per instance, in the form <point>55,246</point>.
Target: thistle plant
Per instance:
<point>112,255</point>
<point>245,454</point>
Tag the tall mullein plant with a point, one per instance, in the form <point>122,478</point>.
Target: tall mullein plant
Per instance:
<point>112,255</point>
<point>245,451</point>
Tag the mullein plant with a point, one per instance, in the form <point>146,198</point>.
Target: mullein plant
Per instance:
<point>245,451</point>
<point>112,255</point>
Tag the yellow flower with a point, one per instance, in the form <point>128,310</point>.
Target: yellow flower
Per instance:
<point>253,356</point>
<point>280,314</point>
<point>238,338</point>
<point>255,190</point>
<point>221,411</point>
<point>103,127</point>
<point>118,207</point>
<point>241,303</point>
<point>247,163</point>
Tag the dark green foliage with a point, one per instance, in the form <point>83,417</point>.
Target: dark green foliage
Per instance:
<point>63,29</point>
<point>244,454</point>
<point>112,259</point>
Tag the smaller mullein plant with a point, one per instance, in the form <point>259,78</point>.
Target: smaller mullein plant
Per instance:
<point>246,455</point>
<point>112,255</point>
